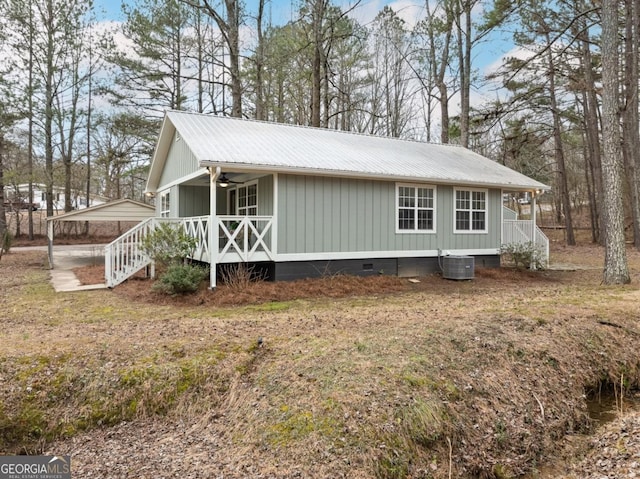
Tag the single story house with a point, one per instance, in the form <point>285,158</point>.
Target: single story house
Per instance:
<point>301,202</point>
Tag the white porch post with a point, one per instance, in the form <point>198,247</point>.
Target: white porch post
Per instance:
<point>274,216</point>
<point>213,226</point>
<point>532,266</point>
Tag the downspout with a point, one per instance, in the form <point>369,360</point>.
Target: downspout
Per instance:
<point>213,225</point>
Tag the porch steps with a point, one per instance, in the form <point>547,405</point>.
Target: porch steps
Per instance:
<point>124,256</point>
<point>522,232</point>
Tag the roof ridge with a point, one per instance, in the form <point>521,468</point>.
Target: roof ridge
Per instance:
<point>316,128</point>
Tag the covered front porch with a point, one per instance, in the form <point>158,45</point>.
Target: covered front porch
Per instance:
<point>249,239</point>
<point>236,239</point>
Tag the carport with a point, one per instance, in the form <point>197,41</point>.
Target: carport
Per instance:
<point>118,210</point>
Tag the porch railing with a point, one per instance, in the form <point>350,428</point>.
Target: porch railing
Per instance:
<point>521,232</point>
<point>244,238</point>
<point>123,257</point>
<point>240,239</point>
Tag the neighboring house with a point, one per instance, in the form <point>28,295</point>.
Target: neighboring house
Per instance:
<point>301,202</point>
<point>78,198</point>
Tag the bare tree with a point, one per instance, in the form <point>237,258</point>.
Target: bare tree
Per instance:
<point>228,20</point>
<point>630,123</point>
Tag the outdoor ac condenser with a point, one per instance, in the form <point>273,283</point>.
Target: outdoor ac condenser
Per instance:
<point>458,267</point>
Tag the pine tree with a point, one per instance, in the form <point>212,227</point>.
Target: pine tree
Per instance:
<point>615,264</point>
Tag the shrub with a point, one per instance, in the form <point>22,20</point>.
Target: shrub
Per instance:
<point>238,277</point>
<point>169,244</point>
<point>523,255</point>
<point>180,279</point>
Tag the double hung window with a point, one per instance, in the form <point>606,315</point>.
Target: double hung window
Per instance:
<point>470,211</point>
<point>415,208</point>
<point>243,200</point>
<point>165,204</point>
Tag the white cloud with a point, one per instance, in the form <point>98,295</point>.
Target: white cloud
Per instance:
<point>410,11</point>
<point>515,52</point>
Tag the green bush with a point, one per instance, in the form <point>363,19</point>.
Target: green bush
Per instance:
<point>180,279</point>
<point>523,255</point>
<point>169,244</point>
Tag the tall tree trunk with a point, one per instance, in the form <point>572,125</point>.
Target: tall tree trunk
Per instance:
<point>615,264</point>
<point>438,67</point>
<point>3,215</point>
<point>558,149</point>
<point>465,74</point>
<point>230,29</point>
<point>233,9</point>
<point>89,105</point>
<point>48,99</point>
<point>588,178</point>
<point>631,137</point>
<point>261,113</point>
<point>30,91</point>
<point>317,19</point>
<point>593,134</point>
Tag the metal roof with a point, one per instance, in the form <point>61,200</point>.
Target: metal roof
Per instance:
<point>248,145</point>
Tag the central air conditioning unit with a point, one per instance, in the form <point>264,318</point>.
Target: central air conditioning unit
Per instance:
<point>458,267</point>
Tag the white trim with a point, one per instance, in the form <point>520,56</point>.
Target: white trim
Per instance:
<point>213,226</point>
<point>252,167</point>
<point>191,176</point>
<point>471,210</point>
<point>274,214</point>
<point>380,254</point>
<point>434,209</point>
<point>234,257</point>
<point>502,207</point>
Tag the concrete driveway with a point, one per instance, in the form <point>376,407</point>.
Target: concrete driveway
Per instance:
<point>67,257</point>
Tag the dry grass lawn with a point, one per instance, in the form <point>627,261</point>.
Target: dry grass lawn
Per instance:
<point>332,378</point>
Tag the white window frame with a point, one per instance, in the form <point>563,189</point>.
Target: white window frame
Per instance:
<point>242,210</point>
<point>471,210</point>
<point>165,204</point>
<point>416,208</point>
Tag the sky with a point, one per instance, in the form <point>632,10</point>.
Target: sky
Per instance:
<point>281,10</point>
<point>487,57</point>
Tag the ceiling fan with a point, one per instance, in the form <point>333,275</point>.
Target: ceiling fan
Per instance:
<point>223,181</point>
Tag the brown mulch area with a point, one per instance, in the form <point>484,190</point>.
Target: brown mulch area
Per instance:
<point>139,288</point>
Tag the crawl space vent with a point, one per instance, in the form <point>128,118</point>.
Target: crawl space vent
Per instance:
<point>458,267</point>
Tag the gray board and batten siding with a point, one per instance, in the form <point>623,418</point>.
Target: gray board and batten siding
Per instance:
<point>181,162</point>
<point>341,215</point>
